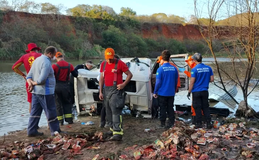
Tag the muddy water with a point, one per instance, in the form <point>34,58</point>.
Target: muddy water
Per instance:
<point>13,103</point>
<point>14,108</point>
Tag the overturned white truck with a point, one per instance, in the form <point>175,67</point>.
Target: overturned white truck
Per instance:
<point>139,90</point>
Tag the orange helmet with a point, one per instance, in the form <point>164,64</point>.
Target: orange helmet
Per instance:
<point>190,63</point>
<point>58,54</point>
<point>159,59</point>
<point>109,53</point>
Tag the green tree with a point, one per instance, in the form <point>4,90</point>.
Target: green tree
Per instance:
<point>161,17</point>
<point>136,46</point>
<point>205,21</point>
<point>175,19</point>
<point>113,37</point>
<point>79,10</point>
<point>49,8</point>
<point>128,12</point>
<point>30,6</point>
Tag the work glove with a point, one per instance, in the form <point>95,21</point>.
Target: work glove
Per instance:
<point>188,95</point>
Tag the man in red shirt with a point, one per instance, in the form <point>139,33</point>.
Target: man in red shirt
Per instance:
<point>113,92</point>
<point>27,60</point>
<point>62,70</point>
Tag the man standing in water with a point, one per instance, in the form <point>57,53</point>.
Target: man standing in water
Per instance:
<point>42,83</point>
<point>113,92</point>
<point>27,60</point>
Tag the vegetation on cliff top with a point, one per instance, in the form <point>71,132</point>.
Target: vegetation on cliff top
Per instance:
<point>86,31</point>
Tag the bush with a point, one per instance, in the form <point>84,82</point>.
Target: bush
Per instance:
<point>193,46</point>
<point>115,39</point>
<point>136,46</point>
<point>96,51</point>
<point>175,47</point>
<point>12,49</point>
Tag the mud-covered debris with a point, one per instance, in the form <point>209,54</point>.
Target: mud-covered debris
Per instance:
<point>160,144</point>
<point>250,145</point>
<point>96,157</point>
<point>123,157</point>
<point>137,154</point>
<point>202,141</point>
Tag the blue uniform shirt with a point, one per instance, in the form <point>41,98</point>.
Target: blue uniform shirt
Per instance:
<point>201,73</point>
<point>166,80</point>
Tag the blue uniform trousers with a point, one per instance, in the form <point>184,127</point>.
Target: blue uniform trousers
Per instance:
<point>47,103</point>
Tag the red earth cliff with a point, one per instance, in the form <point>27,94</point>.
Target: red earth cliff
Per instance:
<point>148,30</point>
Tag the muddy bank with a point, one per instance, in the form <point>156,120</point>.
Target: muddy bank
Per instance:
<point>233,140</point>
<point>134,134</point>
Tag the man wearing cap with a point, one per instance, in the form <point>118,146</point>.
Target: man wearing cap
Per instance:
<point>112,91</point>
<point>201,76</point>
<point>42,83</point>
<point>27,60</point>
<point>62,70</point>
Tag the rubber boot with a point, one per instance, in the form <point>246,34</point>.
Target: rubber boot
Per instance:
<point>198,125</point>
<point>117,124</point>
<point>102,124</point>
<point>194,120</point>
<point>108,125</point>
<point>208,125</point>
<point>162,125</point>
<point>116,137</point>
<point>61,122</point>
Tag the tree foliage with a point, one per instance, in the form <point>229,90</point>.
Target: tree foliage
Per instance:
<point>49,8</point>
<point>128,12</point>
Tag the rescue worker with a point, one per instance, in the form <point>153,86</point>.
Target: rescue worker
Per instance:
<point>103,112</point>
<point>201,75</point>
<point>161,62</point>
<point>41,81</point>
<point>155,107</point>
<point>113,94</point>
<point>191,64</point>
<point>88,65</point>
<point>27,60</point>
<point>62,70</point>
<point>165,88</point>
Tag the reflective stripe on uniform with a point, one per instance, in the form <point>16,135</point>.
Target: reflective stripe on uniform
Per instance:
<point>60,118</point>
<point>35,116</point>
<point>68,115</point>
<point>53,120</point>
<point>116,132</point>
<point>120,133</point>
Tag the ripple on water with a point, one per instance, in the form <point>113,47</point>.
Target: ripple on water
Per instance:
<point>13,104</point>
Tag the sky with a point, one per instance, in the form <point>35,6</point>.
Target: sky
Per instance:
<point>182,8</point>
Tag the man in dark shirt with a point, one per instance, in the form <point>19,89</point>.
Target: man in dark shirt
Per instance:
<point>201,76</point>
<point>88,65</point>
<point>62,70</point>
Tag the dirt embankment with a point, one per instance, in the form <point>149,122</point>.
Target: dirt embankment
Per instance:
<point>148,30</point>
